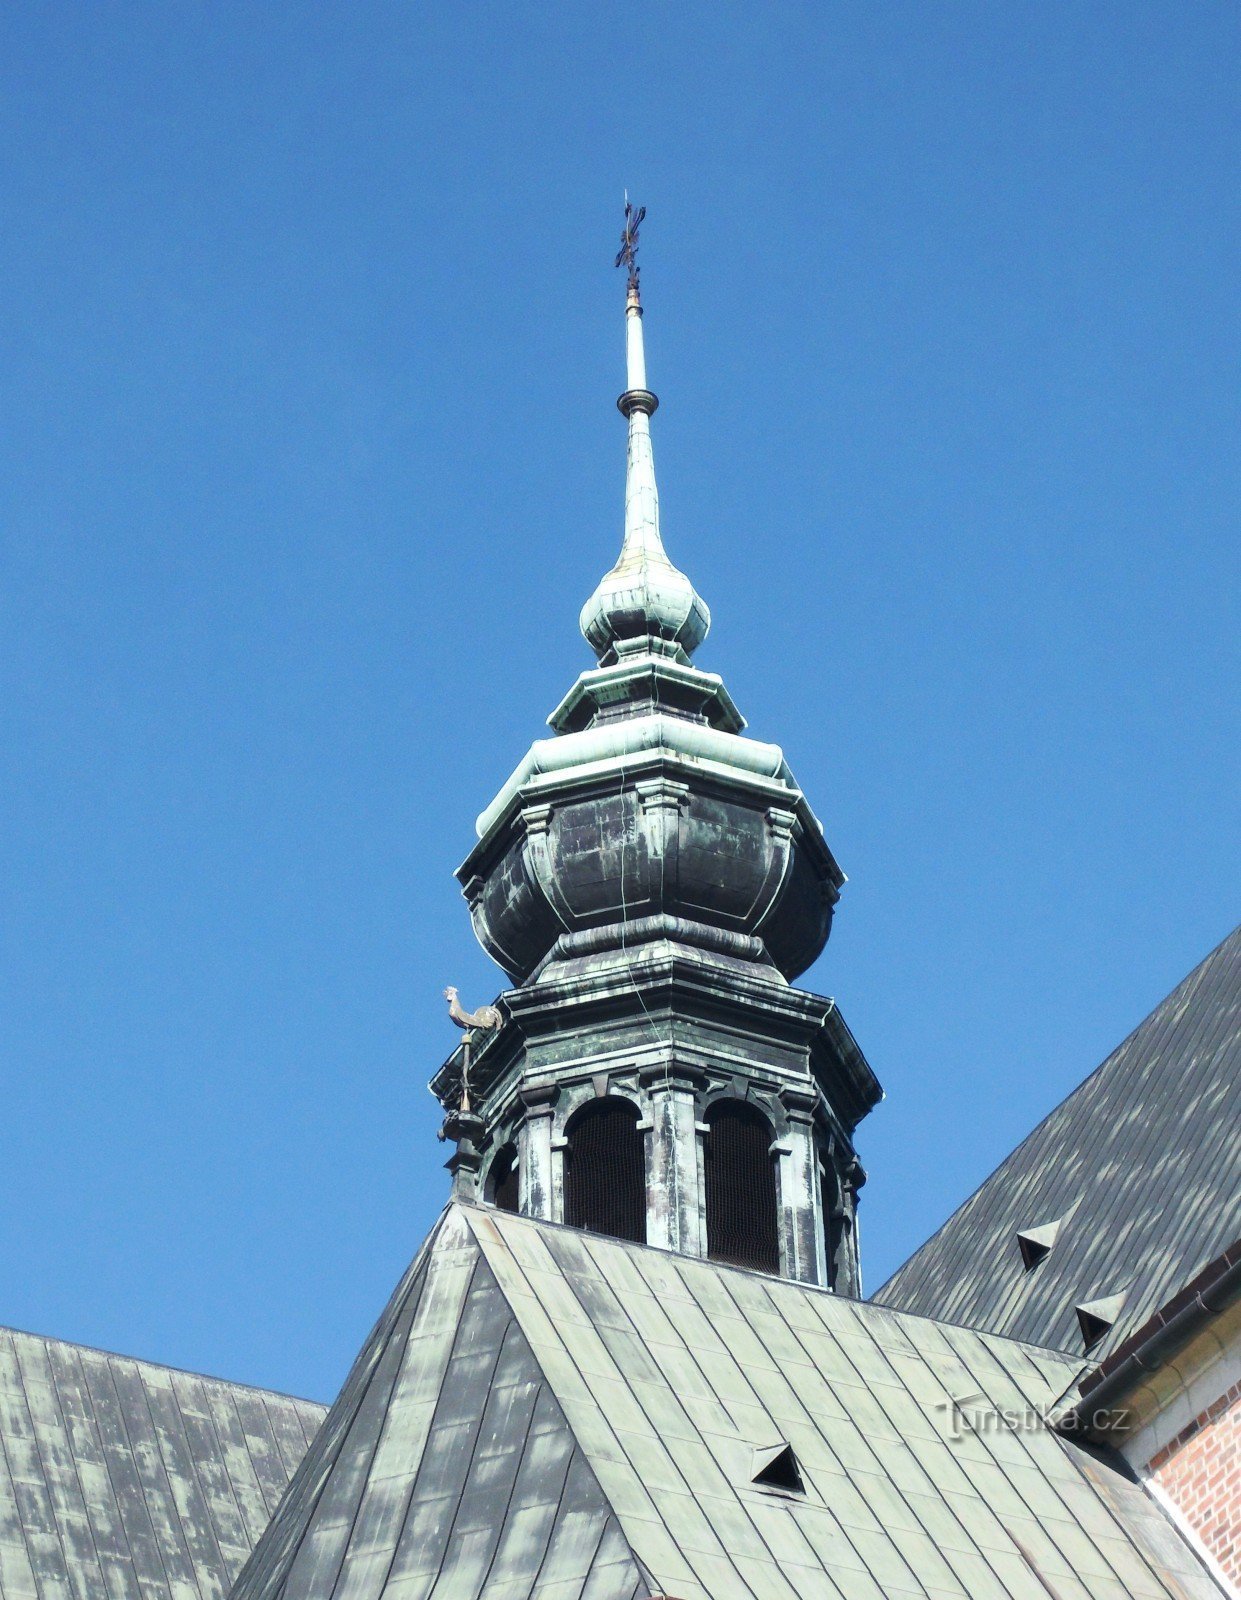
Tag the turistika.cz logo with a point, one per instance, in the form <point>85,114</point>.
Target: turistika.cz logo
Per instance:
<point>975,1413</point>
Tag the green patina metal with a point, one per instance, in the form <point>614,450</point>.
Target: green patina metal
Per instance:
<point>652,880</point>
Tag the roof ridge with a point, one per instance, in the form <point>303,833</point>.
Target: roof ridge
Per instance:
<point>161,1366</point>
<point>1069,1357</point>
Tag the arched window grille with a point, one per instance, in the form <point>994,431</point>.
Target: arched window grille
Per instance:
<point>605,1171</point>
<point>502,1179</point>
<point>741,1188</point>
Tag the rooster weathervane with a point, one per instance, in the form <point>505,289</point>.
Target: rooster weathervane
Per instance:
<point>484,1020</point>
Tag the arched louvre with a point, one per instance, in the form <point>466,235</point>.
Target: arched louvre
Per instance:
<point>502,1180</point>
<point>742,1225</point>
<point>605,1171</point>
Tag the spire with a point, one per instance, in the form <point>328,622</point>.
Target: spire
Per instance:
<point>644,604</point>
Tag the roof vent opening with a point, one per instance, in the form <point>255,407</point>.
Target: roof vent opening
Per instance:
<point>1095,1317</point>
<point>776,1468</point>
<point>1035,1243</point>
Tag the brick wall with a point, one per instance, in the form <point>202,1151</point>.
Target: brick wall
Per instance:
<point>1200,1471</point>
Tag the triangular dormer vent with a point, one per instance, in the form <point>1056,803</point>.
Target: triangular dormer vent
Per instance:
<point>1036,1243</point>
<point>1095,1317</point>
<point>775,1467</point>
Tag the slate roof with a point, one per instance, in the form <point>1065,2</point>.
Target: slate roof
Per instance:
<point>544,1414</point>
<point>122,1480</point>
<point>1141,1165</point>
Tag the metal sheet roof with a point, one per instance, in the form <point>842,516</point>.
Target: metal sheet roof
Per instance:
<point>1141,1165</point>
<point>446,1467</point>
<point>122,1480</point>
<point>663,1384</point>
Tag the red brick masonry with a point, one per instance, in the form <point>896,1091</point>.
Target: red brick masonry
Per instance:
<point>1200,1471</point>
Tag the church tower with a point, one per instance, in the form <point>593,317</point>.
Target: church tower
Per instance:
<point>543,1412</point>
<point>652,881</point>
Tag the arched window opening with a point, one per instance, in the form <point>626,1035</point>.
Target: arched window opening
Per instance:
<point>502,1179</point>
<point>605,1171</point>
<point>741,1188</point>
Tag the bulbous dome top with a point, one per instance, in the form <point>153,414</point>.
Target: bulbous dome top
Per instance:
<point>644,598</point>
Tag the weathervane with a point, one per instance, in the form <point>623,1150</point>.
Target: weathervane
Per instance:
<point>628,255</point>
<point>484,1019</point>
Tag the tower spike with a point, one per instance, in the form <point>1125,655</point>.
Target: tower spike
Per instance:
<point>644,604</point>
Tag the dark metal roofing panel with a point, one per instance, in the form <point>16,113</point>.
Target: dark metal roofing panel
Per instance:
<point>672,1372</point>
<point>1143,1164</point>
<point>122,1480</point>
<point>446,1469</point>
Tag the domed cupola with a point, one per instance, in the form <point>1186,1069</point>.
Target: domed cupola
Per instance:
<point>651,879</point>
<point>649,816</point>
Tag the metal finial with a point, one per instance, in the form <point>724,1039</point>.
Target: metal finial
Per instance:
<point>628,254</point>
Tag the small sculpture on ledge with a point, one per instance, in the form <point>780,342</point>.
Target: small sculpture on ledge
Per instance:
<point>464,1125</point>
<point>485,1017</point>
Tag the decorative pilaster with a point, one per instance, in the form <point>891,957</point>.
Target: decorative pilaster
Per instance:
<point>801,1214</point>
<point>536,820</point>
<point>674,1195</point>
<point>661,802</point>
<point>847,1277</point>
<point>534,1150</point>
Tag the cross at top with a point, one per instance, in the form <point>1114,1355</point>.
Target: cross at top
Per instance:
<point>628,254</point>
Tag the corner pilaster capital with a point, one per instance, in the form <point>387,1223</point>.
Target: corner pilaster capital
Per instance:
<point>854,1177</point>
<point>465,1161</point>
<point>661,794</point>
<point>536,819</point>
<point>781,821</point>
<point>539,1099</point>
<point>799,1104</point>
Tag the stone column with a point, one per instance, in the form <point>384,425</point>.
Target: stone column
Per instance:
<point>673,1200</point>
<point>801,1208</point>
<point>534,1150</point>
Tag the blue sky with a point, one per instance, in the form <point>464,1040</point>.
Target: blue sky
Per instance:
<point>310,346</point>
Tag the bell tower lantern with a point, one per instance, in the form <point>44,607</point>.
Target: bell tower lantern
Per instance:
<point>652,881</point>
